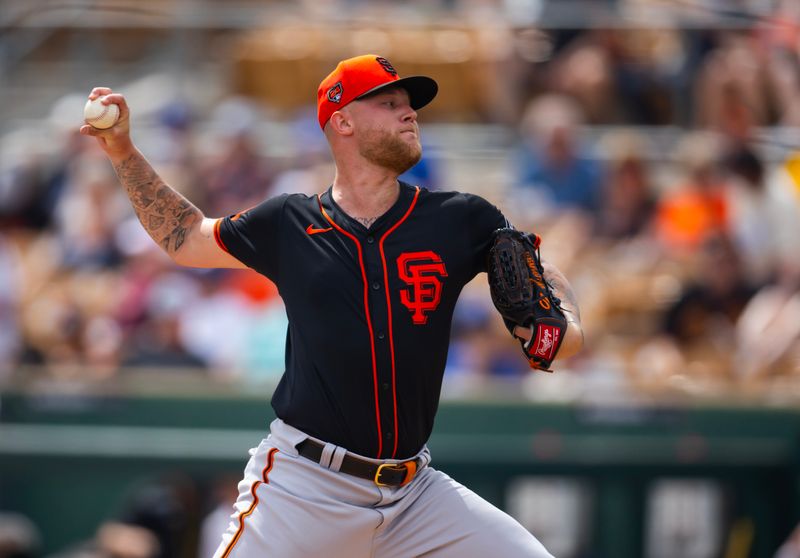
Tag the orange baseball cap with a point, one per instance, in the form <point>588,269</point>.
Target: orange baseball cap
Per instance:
<point>356,77</point>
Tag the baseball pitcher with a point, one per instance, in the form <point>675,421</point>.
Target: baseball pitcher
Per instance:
<point>370,272</point>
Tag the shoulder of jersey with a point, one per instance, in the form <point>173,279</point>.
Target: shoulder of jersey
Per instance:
<point>301,197</point>
<point>445,197</point>
<point>301,200</point>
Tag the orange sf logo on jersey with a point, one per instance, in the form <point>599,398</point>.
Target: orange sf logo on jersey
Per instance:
<point>422,272</point>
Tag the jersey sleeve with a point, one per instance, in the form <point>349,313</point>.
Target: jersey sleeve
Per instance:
<point>253,236</point>
<point>484,219</point>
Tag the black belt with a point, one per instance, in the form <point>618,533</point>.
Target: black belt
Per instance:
<point>383,474</point>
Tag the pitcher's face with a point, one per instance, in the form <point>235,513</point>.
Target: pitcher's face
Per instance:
<point>386,130</point>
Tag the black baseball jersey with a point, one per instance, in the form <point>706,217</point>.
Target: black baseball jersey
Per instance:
<point>369,309</point>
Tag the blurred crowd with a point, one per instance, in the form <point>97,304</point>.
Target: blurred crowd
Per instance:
<point>682,252</point>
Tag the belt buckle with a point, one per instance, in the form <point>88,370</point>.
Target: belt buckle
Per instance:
<point>410,468</point>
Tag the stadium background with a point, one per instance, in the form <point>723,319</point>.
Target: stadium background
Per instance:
<point>651,142</point>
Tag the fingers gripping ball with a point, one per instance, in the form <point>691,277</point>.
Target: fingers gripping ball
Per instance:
<point>99,115</point>
<point>523,297</point>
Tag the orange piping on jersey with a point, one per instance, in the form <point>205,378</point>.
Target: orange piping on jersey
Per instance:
<point>389,309</point>
<point>369,323</point>
<point>218,237</point>
<point>252,508</point>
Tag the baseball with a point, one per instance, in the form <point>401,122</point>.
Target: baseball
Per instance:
<point>99,115</point>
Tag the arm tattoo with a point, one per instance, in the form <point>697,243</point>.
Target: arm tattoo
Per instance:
<point>165,214</point>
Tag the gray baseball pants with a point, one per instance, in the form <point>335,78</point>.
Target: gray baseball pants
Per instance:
<point>292,507</point>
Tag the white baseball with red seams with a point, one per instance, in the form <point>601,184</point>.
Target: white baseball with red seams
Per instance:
<point>100,116</point>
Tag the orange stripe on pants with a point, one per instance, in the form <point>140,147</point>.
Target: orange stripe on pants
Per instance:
<point>252,508</point>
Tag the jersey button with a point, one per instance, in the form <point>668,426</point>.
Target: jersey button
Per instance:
<point>388,435</point>
<point>370,239</point>
<point>381,335</point>
<point>385,385</point>
<point>376,285</point>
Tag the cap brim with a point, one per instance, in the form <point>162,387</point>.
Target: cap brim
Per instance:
<point>421,89</point>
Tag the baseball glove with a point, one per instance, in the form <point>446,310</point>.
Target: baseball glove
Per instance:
<point>523,297</point>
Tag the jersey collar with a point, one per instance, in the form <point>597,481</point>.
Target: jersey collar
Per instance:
<point>392,215</point>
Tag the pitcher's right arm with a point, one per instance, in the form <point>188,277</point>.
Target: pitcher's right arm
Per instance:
<point>171,220</point>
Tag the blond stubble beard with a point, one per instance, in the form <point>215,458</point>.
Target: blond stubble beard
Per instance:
<point>380,147</point>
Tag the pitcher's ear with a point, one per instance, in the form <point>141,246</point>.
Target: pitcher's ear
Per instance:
<point>341,123</point>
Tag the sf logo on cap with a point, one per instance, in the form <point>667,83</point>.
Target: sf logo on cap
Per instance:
<point>386,65</point>
<point>335,93</point>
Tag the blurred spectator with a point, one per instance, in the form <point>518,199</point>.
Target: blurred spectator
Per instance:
<point>159,520</point>
<point>731,90</point>
<point>237,176</point>
<point>19,537</point>
<point>65,318</point>
<point>780,40</point>
<point>695,209</point>
<point>698,329</point>
<point>469,345</point>
<point>120,540</point>
<point>480,344</point>
<point>758,218</point>
<point>245,306</point>
<point>629,199</point>
<point>584,72</point>
<point>714,300</point>
<point>157,340</point>
<point>31,190</point>
<point>620,75</point>
<point>144,263</point>
<point>216,309</point>
<point>768,332</point>
<point>697,43</point>
<point>784,78</point>
<point>647,66</point>
<point>783,186</point>
<point>551,163</point>
<point>91,208</point>
<point>265,343</point>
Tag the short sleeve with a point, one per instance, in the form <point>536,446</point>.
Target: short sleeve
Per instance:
<point>253,236</point>
<point>484,219</point>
